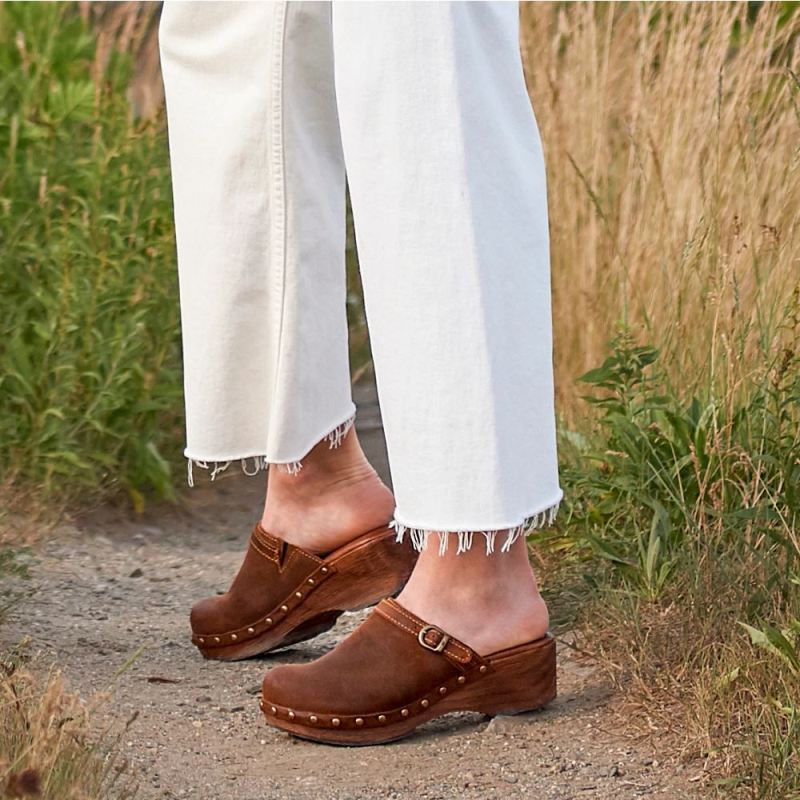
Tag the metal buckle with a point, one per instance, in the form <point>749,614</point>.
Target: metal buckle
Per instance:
<point>440,645</point>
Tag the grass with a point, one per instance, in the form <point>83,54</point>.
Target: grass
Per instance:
<point>89,356</point>
<point>672,136</point>
<point>672,133</point>
<point>50,745</point>
<point>47,747</point>
<point>684,517</point>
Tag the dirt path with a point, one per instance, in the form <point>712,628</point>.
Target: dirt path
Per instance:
<point>114,585</point>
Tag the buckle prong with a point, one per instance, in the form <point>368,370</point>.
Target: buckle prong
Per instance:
<point>440,645</point>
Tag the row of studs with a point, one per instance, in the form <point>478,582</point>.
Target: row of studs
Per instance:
<point>359,721</point>
<point>268,621</point>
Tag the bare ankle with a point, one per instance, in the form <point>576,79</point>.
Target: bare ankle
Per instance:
<point>326,461</point>
<point>335,496</point>
<point>488,601</point>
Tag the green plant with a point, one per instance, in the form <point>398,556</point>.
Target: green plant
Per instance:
<point>690,511</point>
<point>782,643</point>
<point>90,391</point>
<point>669,475</point>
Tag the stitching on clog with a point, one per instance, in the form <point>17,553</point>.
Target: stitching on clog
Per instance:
<point>413,632</point>
<point>451,641</point>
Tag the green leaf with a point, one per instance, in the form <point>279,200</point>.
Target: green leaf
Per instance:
<point>774,641</point>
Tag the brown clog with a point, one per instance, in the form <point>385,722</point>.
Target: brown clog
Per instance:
<point>395,672</point>
<point>283,594</point>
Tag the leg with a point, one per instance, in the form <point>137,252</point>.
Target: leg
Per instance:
<point>258,184</point>
<point>447,182</point>
<point>259,193</point>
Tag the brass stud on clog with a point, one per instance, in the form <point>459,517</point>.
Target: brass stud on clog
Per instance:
<point>324,569</point>
<point>311,581</point>
<point>284,609</point>
<point>234,637</point>
<point>268,620</point>
<point>381,718</point>
<point>425,703</point>
<point>201,640</point>
<point>462,679</point>
<point>336,722</point>
<point>298,594</point>
<point>404,712</point>
<point>313,719</point>
<point>273,709</point>
<point>359,722</point>
<point>216,638</point>
<point>251,630</point>
<point>443,690</point>
<point>291,715</point>
<point>483,668</point>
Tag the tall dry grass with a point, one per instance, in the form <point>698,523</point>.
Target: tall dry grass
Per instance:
<point>672,137</point>
<point>48,748</point>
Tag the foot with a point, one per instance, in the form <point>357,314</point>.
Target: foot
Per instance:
<point>491,602</point>
<point>336,496</point>
<point>282,595</point>
<point>397,671</point>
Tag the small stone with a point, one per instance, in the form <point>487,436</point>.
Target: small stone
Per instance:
<point>505,724</point>
<point>137,573</point>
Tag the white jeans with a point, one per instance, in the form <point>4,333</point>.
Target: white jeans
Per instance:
<point>424,105</point>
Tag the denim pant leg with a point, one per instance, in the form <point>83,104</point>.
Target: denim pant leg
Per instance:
<point>447,182</point>
<point>259,199</point>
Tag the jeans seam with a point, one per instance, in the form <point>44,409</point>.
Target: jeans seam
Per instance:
<point>277,185</point>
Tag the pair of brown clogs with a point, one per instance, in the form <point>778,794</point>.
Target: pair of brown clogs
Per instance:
<point>394,672</point>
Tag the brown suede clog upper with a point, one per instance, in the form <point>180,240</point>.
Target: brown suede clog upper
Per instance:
<point>283,593</point>
<point>394,672</point>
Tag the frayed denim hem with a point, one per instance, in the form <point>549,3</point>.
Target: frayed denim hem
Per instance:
<point>419,536</point>
<point>334,438</point>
